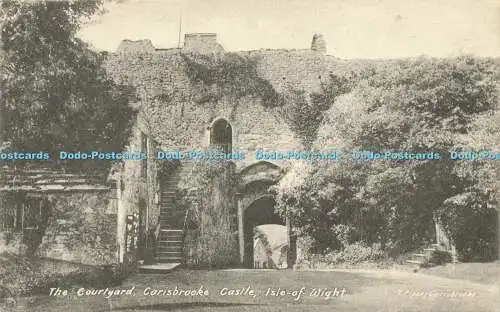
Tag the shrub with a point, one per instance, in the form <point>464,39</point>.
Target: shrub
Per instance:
<point>471,223</point>
<point>355,253</point>
<point>26,278</point>
<point>440,257</point>
<point>104,276</point>
<point>360,252</point>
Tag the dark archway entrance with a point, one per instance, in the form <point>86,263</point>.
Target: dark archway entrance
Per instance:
<point>260,212</point>
<point>256,206</point>
<point>221,136</point>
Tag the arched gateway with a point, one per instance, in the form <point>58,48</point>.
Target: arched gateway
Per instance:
<point>256,206</point>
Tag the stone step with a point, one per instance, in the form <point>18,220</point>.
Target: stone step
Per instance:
<point>420,255</point>
<point>162,254</point>
<point>159,268</point>
<point>168,220</point>
<point>171,245</point>
<point>177,254</point>
<point>170,217</point>
<point>167,212</point>
<point>172,235</point>
<point>170,260</point>
<point>414,261</point>
<point>173,253</point>
<point>165,223</point>
<point>170,241</point>
<point>170,186</point>
<point>170,248</point>
<point>179,250</point>
<point>171,179</point>
<point>168,192</point>
<point>165,257</point>
<point>168,223</point>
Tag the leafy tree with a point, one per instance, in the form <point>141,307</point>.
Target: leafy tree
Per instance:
<point>471,217</point>
<point>420,105</point>
<point>55,92</point>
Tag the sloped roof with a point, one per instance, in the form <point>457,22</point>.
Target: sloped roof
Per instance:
<point>47,181</point>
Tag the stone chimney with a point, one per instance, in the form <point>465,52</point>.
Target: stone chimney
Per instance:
<point>318,44</point>
<point>202,43</point>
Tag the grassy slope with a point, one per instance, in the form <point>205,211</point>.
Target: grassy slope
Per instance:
<point>484,273</point>
<point>19,276</point>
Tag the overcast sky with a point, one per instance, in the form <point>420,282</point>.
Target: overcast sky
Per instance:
<point>352,28</point>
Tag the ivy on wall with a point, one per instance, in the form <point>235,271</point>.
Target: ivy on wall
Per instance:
<point>211,239</point>
<point>229,74</point>
<point>304,112</point>
<point>79,227</point>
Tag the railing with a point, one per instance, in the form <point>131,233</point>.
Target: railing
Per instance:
<point>184,228</point>
<point>185,219</point>
<point>157,235</point>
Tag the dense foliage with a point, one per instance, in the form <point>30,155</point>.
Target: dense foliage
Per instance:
<point>56,93</point>
<point>305,113</point>
<point>228,74</point>
<point>211,240</point>
<point>421,105</point>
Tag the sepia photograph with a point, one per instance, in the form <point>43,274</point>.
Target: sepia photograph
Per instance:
<point>249,155</point>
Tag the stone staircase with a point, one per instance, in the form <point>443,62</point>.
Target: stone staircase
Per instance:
<point>170,246</point>
<point>420,259</point>
<point>171,235</point>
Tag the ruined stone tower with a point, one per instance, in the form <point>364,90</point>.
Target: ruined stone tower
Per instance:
<point>318,44</point>
<point>202,43</point>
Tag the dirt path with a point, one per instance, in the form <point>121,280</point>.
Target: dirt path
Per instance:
<point>332,290</point>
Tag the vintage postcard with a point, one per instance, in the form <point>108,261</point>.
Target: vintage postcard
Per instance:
<point>249,155</point>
